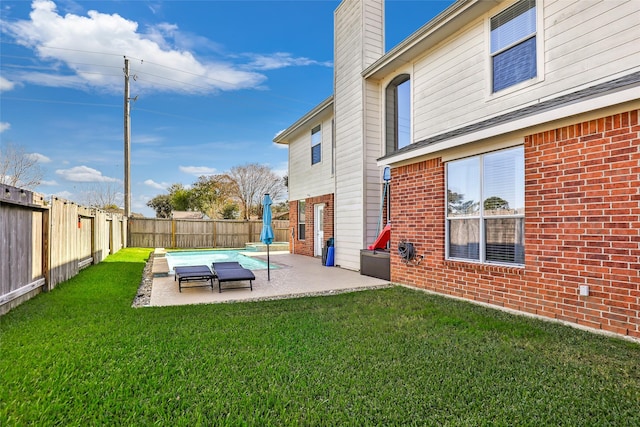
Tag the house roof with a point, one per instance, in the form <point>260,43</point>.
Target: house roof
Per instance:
<point>283,137</point>
<point>446,23</point>
<point>188,215</point>
<point>429,35</point>
<point>627,87</point>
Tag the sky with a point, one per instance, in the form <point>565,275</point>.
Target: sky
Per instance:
<point>212,83</point>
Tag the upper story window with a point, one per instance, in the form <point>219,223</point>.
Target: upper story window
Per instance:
<point>398,113</point>
<point>513,45</point>
<point>485,208</point>
<point>316,145</point>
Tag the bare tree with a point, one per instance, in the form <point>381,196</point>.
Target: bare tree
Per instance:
<point>18,168</point>
<point>107,196</point>
<point>251,182</point>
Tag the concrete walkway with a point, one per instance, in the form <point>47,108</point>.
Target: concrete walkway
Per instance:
<point>295,276</point>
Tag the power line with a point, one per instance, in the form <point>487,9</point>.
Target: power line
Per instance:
<point>52,101</point>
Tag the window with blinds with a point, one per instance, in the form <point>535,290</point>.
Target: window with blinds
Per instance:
<point>485,207</point>
<point>513,45</point>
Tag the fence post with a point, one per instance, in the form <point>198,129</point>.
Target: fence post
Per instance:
<point>46,252</point>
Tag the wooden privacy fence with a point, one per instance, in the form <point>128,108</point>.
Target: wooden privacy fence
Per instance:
<point>43,243</point>
<point>189,233</point>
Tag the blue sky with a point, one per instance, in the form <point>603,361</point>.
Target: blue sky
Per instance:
<point>215,82</point>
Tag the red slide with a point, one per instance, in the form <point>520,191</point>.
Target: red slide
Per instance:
<point>383,238</point>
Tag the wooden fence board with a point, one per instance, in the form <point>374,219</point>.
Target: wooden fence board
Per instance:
<point>189,233</point>
<point>42,245</point>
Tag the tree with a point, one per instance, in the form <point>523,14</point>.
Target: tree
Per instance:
<point>178,199</point>
<point>212,195</point>
<point>457,205</point>
<point>181,198</point>
<point>104,195</point>
<point>18,168</point>
<point>229,211</point>
<point>251,182</point>
<point>495,203</point>
<point>162,205</point>
<point>280,208</point>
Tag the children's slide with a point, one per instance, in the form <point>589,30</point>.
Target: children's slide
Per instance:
<point>383,239</point>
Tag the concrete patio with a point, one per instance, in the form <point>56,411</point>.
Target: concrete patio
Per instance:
<point>294,276</point>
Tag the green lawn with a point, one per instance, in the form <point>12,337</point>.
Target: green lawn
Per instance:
<point>81,355</point>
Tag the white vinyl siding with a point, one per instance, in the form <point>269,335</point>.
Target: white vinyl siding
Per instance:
<point>373,151</point>
<point>358,43</point>
<point>451,81</point>
<point>304,180</point>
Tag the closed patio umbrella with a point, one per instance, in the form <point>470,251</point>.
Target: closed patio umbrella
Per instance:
<point>266,236</point>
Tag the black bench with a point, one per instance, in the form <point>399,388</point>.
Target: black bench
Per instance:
<point>193,273</point>
<point>232,271</point>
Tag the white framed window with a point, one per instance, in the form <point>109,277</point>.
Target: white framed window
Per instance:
<point>485,208</point>
<point>398,113</point>
<point>302,205</point>
<point>316,145</point>
<point>513,45</point>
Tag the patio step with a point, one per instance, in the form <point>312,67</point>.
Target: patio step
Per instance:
<point>261,247</point>
<point>160,267</point>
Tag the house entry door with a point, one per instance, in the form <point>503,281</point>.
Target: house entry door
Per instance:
<point>318,226</point>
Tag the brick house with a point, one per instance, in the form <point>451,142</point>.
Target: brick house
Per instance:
<point>511,129</point>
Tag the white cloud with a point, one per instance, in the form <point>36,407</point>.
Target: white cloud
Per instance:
<point>4,126</point>
<point>84,174</point>
<point>197,170</point>
<point>6,85</point>
<point>48,183</point>
<point>40,158</point>
<point>157,185</point>
<point>281,60</point>
<point>139,203</point>
<point>83,51</point>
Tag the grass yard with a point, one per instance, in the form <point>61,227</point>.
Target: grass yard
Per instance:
<point>81,355</point>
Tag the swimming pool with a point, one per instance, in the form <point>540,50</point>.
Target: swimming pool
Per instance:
<point>181,258</point>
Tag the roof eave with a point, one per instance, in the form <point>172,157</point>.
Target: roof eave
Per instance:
<point>433,32</point>
<point>282,137</point>
<point>621,91</point>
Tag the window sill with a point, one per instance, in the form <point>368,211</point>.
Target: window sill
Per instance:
<point>497,268</point>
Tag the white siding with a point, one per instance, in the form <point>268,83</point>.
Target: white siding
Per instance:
<point>358,43</point>
<point>305,179</point>
<point>585,41</point>
<point>373,150</point>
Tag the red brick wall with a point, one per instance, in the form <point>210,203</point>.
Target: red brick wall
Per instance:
<point>582,227</point>
<point>305,247</point>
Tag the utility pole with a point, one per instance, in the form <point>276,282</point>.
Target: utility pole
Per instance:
<point>127,142</point>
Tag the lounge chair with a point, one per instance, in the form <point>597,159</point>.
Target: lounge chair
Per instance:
<point>232,271</point>
<point>193,273</point>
